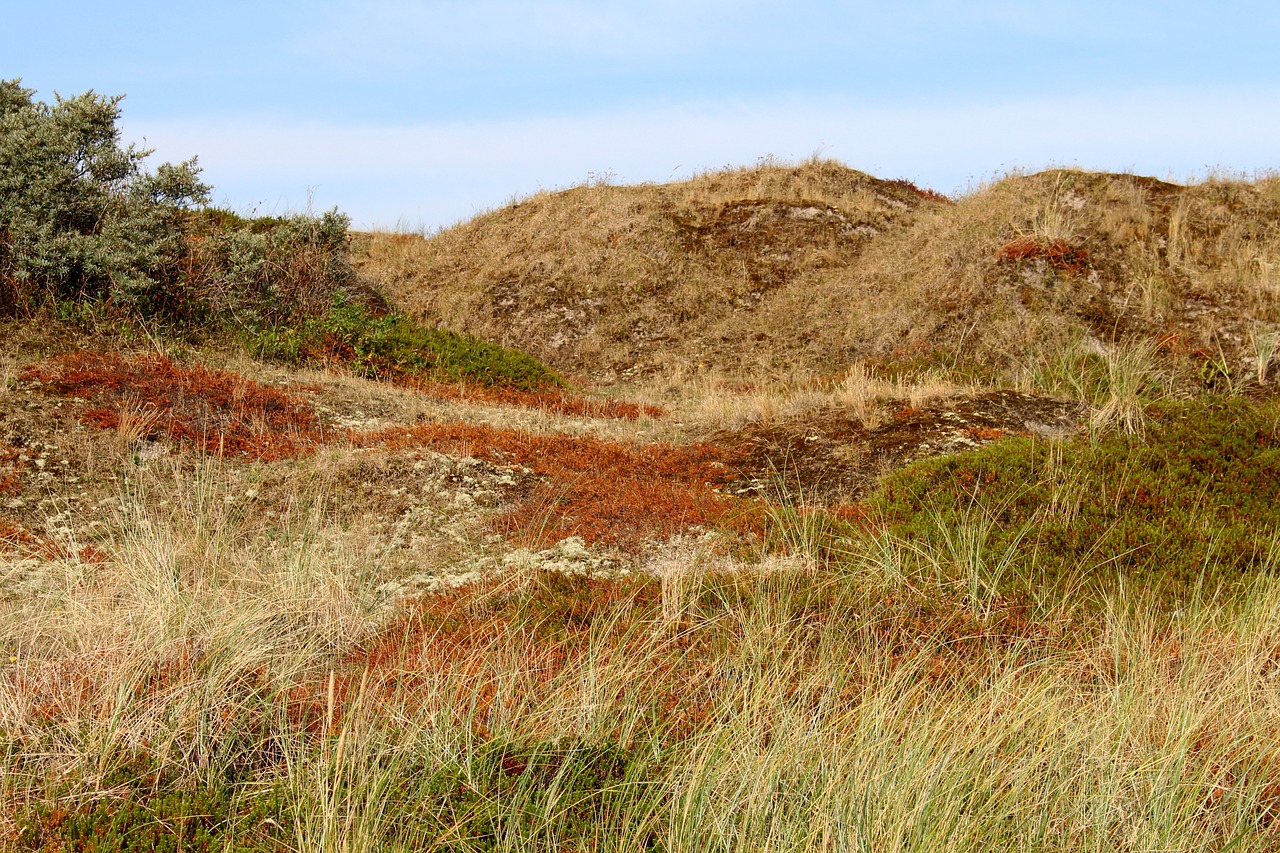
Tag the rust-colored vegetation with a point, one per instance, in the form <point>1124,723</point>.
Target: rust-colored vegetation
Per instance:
<point>511,651</point>
<point>216,410</point>
<point>924,192</point>
<point>12,465</point>
<point>501,650</point>
<point>1059,254</point>
<point>603,491</point>
<point>552,401</point>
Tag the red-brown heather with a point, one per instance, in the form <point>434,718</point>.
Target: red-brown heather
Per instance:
<point>1059,254</point>
<point>220,412</point>
<point>603,491</point>
<point>923,192</point>
<point>11,467</point>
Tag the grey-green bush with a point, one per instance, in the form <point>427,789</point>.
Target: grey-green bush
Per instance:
<point>273,270</point>
<point>82,221</point>
<point>80,218</point>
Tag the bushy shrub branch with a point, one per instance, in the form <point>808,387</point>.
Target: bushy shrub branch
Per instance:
<point>80,218</point>
<point>85,227</point>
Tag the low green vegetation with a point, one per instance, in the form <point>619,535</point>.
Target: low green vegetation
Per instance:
<point>1194,504</point>
<point>138,805</point>
<point>394,346</point>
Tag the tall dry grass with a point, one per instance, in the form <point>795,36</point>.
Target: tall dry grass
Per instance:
<point>795,705</point>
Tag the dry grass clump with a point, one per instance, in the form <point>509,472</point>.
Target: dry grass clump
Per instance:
<point>163,653</point>
<point>214,410</point>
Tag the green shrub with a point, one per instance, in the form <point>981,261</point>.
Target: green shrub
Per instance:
<point>79,216</point>
<point>82,221</point>
<point>394,346</point>
<point>1194,502</point>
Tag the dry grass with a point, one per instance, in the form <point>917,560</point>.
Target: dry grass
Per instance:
<point>598,278</point>
<point>554,402</point>
<point>814,267</point>
<point>788,707</point>
<point>710,400</point>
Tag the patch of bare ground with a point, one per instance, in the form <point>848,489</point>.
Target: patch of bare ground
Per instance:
<point>832,457</point>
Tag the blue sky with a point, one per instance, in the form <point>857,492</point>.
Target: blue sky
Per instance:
<point>420,113</point>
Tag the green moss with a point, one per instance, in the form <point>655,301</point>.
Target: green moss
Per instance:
<point>1194,503</point>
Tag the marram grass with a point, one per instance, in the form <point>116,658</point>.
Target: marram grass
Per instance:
<point>226,682</point>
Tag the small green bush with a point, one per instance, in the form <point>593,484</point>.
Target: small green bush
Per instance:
<point>1196,502</point>
<point>395,346</point>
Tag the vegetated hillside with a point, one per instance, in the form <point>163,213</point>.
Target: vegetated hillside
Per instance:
<point>816,265</point>
<point>280,566</point>
<point>607,278</point>
<point>1032,267</point>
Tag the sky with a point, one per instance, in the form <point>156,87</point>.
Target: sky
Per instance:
<point>418,114</point>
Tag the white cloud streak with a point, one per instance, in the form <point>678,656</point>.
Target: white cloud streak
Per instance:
<point>435,174</point>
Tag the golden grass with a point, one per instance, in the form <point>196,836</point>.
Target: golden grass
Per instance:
<point>710,400</point>
<point>599,275</point>
<point>815,267</point>
<point>791,707</point>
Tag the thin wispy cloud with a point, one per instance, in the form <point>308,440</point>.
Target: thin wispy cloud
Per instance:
<point>437,173</point>
<point>431,109</point>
